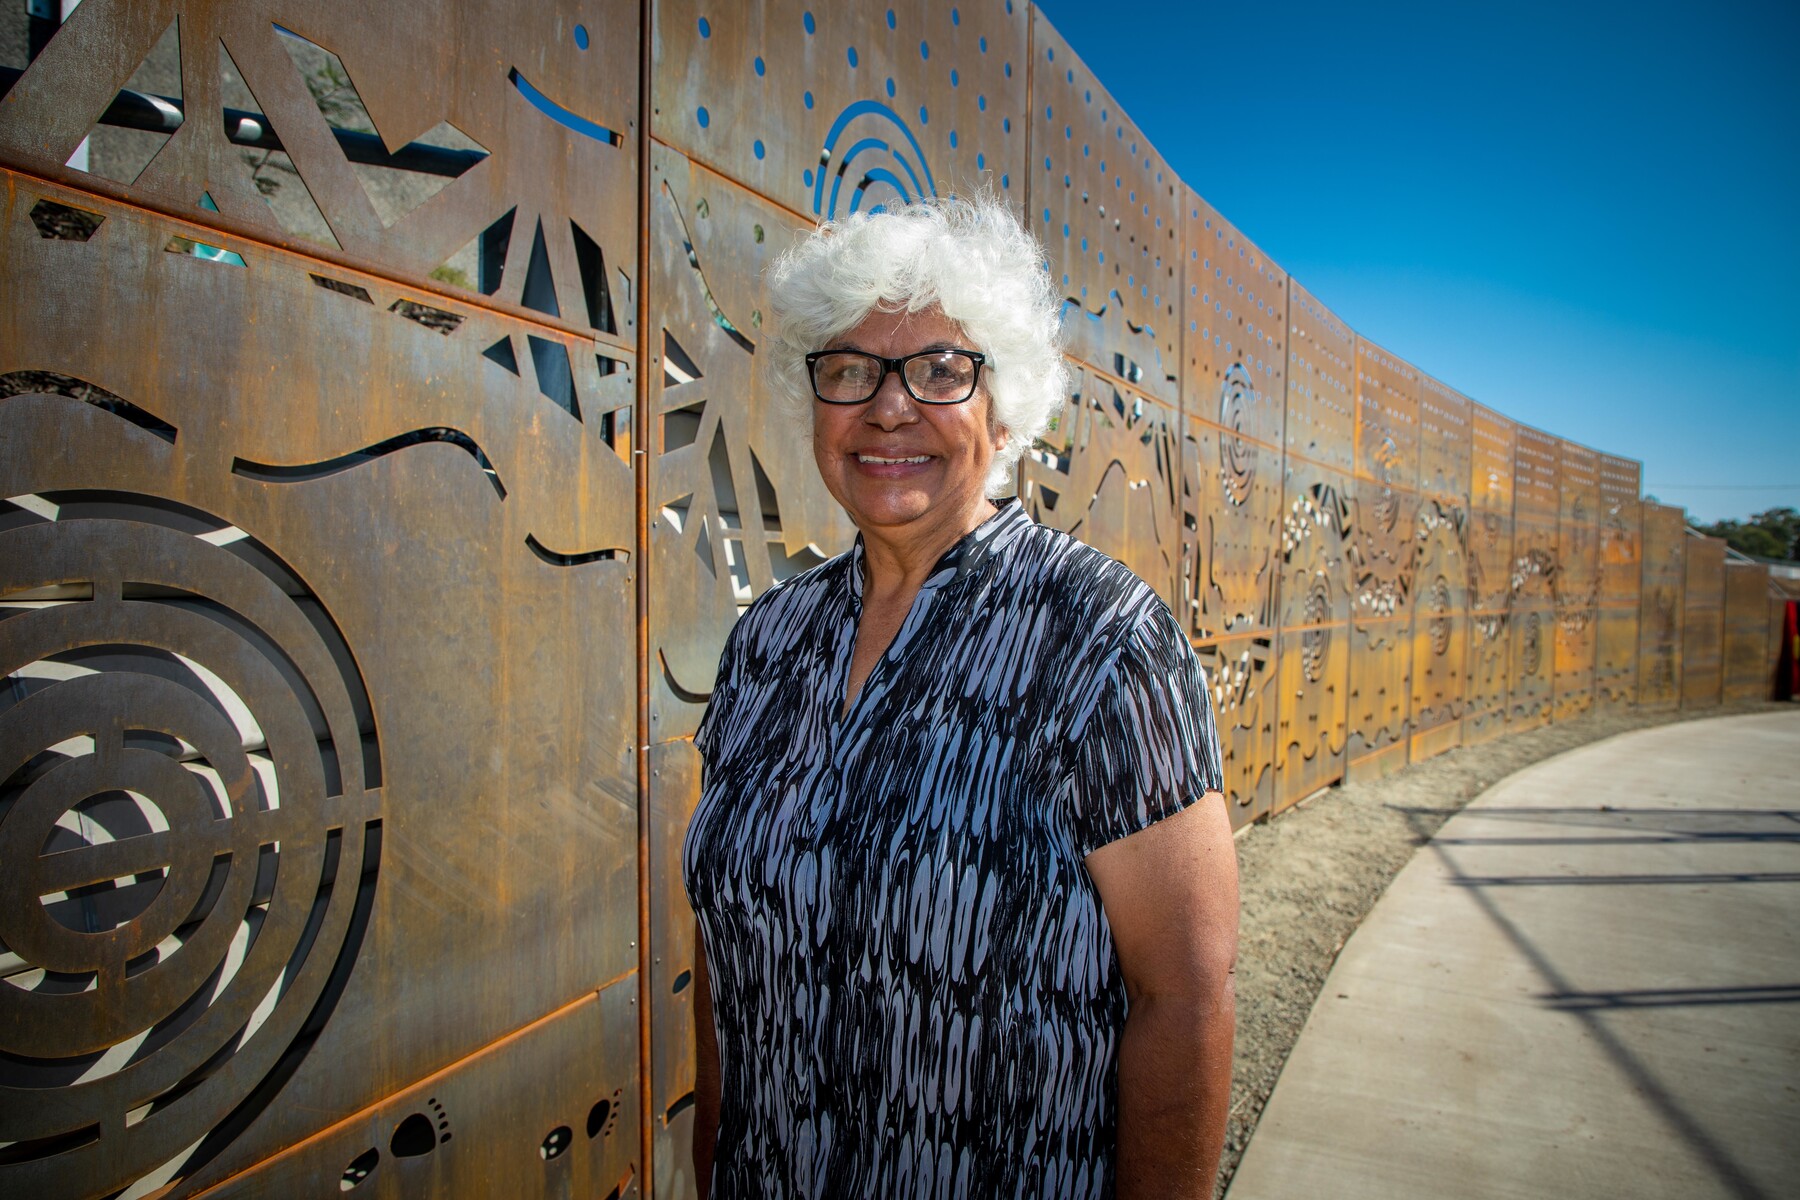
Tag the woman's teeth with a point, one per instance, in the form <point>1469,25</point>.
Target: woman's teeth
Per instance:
<point>875,458</point>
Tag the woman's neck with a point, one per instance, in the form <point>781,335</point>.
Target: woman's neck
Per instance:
<point>896,562</point>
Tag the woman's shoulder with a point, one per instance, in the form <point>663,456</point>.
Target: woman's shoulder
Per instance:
<point>781,612</point>
<point>1089,585</point>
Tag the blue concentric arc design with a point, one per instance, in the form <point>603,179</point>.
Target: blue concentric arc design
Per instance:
<point>887,168</point>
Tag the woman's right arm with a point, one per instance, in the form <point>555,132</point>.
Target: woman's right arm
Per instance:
<point>706,1073</point>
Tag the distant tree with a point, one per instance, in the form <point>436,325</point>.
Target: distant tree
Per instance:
<point>1772,533</point>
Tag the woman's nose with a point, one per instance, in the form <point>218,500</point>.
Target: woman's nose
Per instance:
<point>890,407</point>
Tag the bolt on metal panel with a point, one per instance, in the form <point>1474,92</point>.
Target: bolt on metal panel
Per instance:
<point>1537,498</point>
<point>1106,472</point>
<point>828,110</point>
<point>1234,337</point>
<point>1107,208</point>
<point>1748,673</point>
<point>1231,521</point>
<point>1446,438</point>
<point>674,791</point>
<point>1621,572</point>
<point>1660,616</point>
<point>1441,601</point>
<point>1577,581</point>
<point>1703,623</point>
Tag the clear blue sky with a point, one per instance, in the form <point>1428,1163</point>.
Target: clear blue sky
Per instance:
<point>1586,216</point>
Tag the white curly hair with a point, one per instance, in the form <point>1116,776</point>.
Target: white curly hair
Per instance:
<point>967,255</point>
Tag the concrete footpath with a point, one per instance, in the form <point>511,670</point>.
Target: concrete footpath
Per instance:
<point>1587,985</point>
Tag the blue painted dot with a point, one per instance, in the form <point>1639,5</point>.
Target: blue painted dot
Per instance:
<point>955,17</point>
<point>1046,112</point>
<point>1084,245</point>
<point>1065,181</point>
<point>1009,70</point>
<point>924,50</point>
<point>808,99</point>
<point>953,78</point>
<point>760,69</point>
<point>1046,162</point>
<point>581,37</point>
<point>953,139</point>
<point>890,18</point>
<point>1068,133</point>
<point>1103,166</point>
<point>981,103</point>
<point>807,21</point>
<point>984,45</point>
<point>1006,124</point>
<point>1005,182</point>
<point>704,117</point>
<point>924,117</point>
<point>758,148</point>
<point>705,28</point>
<point>981,162</point>
<point>806,177</point>
<point>1065,224</point>
<point>890,89</point>
<point>1047,219</point>
<point>1084,152</point>
<point>1084,292</point>
<point>1103,256</point>
<point>853,56</point>
<point>1065,280</point>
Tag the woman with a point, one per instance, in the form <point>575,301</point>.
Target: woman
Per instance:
<point>966,890</point>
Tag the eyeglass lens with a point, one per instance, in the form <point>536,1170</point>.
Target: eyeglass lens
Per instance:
<point>934,376</point>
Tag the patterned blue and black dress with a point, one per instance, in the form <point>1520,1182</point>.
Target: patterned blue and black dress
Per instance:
<point>913,983</point>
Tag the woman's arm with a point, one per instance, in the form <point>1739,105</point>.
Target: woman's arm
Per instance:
<point>706,1073</point>
<point>1170,895</point>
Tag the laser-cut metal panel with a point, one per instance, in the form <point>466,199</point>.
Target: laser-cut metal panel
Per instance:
<point>1321,399</point>
<point>1231,521</point>
<point>1493,444</point>
<point>1621,572</point>
<point>829,110</point>
<point>1577,580</point>
<point>1234,341</point>
<point>546,122</point>
<point>1387,418</point>
<point>674,791</point>
<point>1446,436</point>
<point>1314,592</point>
<point>1747,667</point>
<point>335,448</point>
<point>1241,673</point>
<point>1379,698</point>
<point>736,498</point>
<point>1106,206</point>
<point>1660,618</point>
<point>1440,625</point>
<point>1703,623</point>
<point>1107,474</point>
<point>1537,498</point>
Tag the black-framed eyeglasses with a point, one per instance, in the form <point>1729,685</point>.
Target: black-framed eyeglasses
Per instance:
<point>930,376</point>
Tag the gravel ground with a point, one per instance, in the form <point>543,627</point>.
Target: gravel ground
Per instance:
<point>1312,874</point>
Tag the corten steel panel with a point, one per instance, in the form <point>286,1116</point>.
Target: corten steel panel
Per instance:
<point>1577,581</point>
<point>1536,501</point>
<point>1387,418</point>
<point>1492,447</point>
<point>402,575</point>
<point>1107,208</point>
<point>1621,577</point>
<point>1703,623</point>
<point>1241,673</point>
<point>1234,341</point>
<point>829,109</point>
<point>735,498</point>
<point>674,791</point>
<point>477,71</point>
<point>1440,626</point>
<point>1379,697</point>
<point>1107,474</point>
<point>1321,398</point>
<point>1660,606</point>
<point>1446,435</point>
<point>1231,528</point>
<point>1748,671</point>
<point>543,1113</point>
<point>1314,646</point>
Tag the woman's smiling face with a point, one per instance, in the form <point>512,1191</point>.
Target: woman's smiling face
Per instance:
<point>899,467</point>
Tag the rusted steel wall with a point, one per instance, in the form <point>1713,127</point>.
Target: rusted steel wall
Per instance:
<point>387,459</point>
<point>1746,665</point>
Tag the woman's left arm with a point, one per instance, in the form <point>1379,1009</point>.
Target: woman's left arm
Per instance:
<point>1170,895</point>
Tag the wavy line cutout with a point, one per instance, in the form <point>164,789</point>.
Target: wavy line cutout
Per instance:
<point>712,303</point>
<point>50,383</point>
<point>681,693</point>
<point>574,560</point>
<point>561,115</point>
<point>828,150</point>
<point>303,472</point>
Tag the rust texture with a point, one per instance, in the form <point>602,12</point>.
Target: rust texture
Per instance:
<point>386,456</point>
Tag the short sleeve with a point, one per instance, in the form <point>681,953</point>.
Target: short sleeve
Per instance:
<point>1148,746</point>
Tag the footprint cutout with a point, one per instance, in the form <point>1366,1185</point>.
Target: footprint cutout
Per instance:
<point>604,1115</point>
<point>418,1135</point>
<point>360,1168</point>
